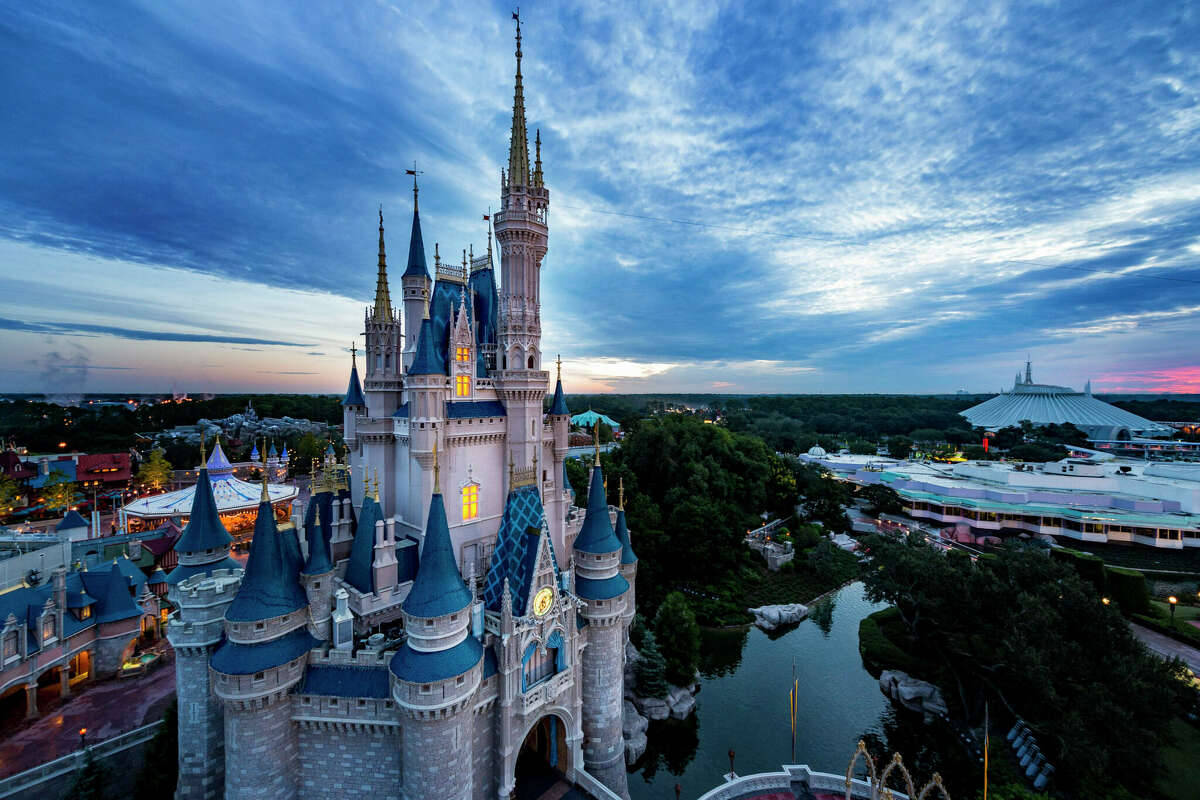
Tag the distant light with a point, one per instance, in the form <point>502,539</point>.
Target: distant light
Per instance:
<point>62,444</point>
<point>1172,599</point>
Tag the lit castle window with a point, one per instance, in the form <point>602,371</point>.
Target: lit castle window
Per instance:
<point>470,501</point>
<point>463,385</point>
<point>462,354</point>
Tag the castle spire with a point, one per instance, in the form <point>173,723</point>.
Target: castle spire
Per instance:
<point>416,245</point>
<point>518,148</point>
<point>383,300</point>
<point>537,164</point>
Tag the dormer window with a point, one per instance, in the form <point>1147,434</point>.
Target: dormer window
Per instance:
<point>11,644</point>
<point>462,354</point>
<point>85,612</point>
<point>463,385</point>
<point>470,501</point>
<point>49,629</point>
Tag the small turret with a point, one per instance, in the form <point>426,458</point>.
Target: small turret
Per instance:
<point>204,544</point>
<point>416,282</point>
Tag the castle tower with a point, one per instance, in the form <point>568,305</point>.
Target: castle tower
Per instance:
<point>317,578</point>
<point>557,502</point>
<point>628,559</point>
<point>415,283</point>
<point>263,656</point>
<point>359,572</point>
<point>204,544</point>
<point>426,383</point>
<point>196,628</point>
<point>598,581</point>
<point>354,404</point>
<point>384,343</point>
<point>522,233</point>
<point>437,671</point>
<point>462,353</point>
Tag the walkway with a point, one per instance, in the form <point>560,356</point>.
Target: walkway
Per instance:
<point>105,709</point>
<point>1167,647</point>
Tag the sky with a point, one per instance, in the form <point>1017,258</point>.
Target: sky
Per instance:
<point>744,197</point>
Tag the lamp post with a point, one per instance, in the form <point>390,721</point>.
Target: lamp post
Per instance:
<point>82,738</point>
<point>1105,600</point>
<point>1172,600</point>
<point>731,755</point>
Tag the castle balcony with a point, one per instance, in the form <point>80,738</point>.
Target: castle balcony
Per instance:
<point>545,692</point>
<point>511,216</point>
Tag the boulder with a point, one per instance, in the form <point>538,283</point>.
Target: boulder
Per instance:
<point>915,695</point>
<point>685,705</point>
<point>771,617</point>
<point>653,708</point>
<point>635,747</point>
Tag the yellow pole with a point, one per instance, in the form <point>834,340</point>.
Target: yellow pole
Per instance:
<point>986,733</point>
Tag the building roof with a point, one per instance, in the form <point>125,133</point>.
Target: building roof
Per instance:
<point>269,586</point>
<point>232,658</point>
<point>588,418</point>
<point>415,666</point>
<point>108,596</point>
<point>416,249</point>
<point>1044,404</point>
<point>229,494</point>
<point>362,552</point>
<point>426,361</point>
<point>622,531</point>
<point>133,574</point>
<point>354,392</point>
<point>117,603</point>
<point>515,555</point>
<point>184,571</point>
<point>597,535</point>
<point>559,405</point>
<point>482,284</point>
<point>335,680</point>
<point>402,411</point>
<point>204,530</point>
<point>601,588</point>
<point>64,465</point>
<point>106,467</point>
<point>317,535</point>
<point>72,521</point>
<point>464,409</point>
<point>438,588</point>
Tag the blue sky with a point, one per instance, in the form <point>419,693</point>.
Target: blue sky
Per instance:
<point>745,197</point>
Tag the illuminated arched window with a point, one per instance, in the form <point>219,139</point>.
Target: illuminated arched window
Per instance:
<point>470,501</point>
<point>462,354</point>
<point>463,385</point>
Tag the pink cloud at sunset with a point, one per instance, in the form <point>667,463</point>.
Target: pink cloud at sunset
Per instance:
<point>1175,380</point>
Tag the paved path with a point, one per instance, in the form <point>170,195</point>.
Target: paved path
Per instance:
<point>105,709</point>
<point>1167,647</point>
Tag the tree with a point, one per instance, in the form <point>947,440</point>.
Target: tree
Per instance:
<point>899,446</point>
<point>9,492</point>
<point>156,471</point>
<point>651,668</point>
<point>675,627</point>
<point>91,781</point>
<point>308,449</point>
<point>58,493</point>
<point>824,499</point>
<point>881,499</point>
<point>160,767</point>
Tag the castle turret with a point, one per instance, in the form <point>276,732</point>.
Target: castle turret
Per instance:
<point>598,581</point>
<point>557,503</point>
<point>426,385</point>
<point>437,671</point>
<point>384,344</point>
<point>317,578</point>
<point>354,404</point>
<point>358,571</point>
<point>522,233</point>
<point>204,544</point>
<point>415,283</point>
<point>262,658</point>
<point>628,559</point>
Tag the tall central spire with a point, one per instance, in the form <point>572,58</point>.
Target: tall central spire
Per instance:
<point>383,300</point>
<point>518,148</point>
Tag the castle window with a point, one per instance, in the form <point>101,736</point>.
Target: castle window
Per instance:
<point>460,680</point>
<point>462,354</point>
<point>258,626</point>
<point>10,646</point>
<point>85,612</point>
<point>470,501</point>
<point>258,676</point>
<point>463,385</point>
<point>49,631</point>
<point>426,689</point>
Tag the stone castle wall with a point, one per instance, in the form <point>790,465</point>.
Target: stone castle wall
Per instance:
<point>201,730</point>
<point>338,761</point>
<point>603,680</point>
<point>434,751</point>
<point>483,742</point>
<point>261,750</point>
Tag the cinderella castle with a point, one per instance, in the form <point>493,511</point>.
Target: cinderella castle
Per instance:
<point>440,620</point>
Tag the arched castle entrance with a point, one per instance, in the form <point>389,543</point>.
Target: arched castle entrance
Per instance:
<point>544,758</point>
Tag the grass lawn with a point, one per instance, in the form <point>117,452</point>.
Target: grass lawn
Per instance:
<point>1182,612</point>
<point>1181,762</point>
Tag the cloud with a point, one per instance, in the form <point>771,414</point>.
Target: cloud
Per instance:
<point>85,329</point>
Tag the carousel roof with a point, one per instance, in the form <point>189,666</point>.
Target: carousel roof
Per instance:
<point>230,493</point>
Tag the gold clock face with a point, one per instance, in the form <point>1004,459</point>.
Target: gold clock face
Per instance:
<point>543,601</point>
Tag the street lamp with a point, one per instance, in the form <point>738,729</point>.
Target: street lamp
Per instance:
<point>82,738</point>
<point>1105,600</point>
<point>1172,600</point>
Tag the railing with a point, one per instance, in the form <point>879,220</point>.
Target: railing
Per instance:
<point>593,787</point>
<point>782,781</point>
<point>545,691</point>
<point>72,762</point>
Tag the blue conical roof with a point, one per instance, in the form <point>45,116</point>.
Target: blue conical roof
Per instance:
<point>438,588</point>
<point>358,572</point>
<point>597,534</point>
<point>426,361</point>
<point>272,453</point>
<point>204,530</point>
<point>254,454</point>
<point>72,520</point>
<point>116,602</point>
<point>627,556</point>
<point>416,250</point>
<point>354,392</point>
<point>559,406</point>
<point>269,587</point>
<point>319,560</point>
<point>218,462</point>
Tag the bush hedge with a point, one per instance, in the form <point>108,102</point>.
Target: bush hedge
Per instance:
<point>1127,588</point>
<point>877,648</point>
<point>1089,567</point>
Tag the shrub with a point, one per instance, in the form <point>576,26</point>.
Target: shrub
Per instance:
<point>1088,566</point>
<point>877,649</point>
<point>1127,588</point>
<point>678,636</point>
<point>651,669</point>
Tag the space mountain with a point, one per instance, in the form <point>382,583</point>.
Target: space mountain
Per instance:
<point>441,610</point>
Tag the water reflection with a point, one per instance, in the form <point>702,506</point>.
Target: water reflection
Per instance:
<point>743,705</point>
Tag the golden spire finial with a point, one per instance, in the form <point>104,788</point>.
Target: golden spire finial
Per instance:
<point>353,354</point>
<point>414,172</point>
<point>558,361</point>
<point>518,148</point>
<point>596,438</point>
<point>376,485</point>
<point>437,471</point>
<point>621,493</point>
<point>383,298</point>
<point>203,455</point>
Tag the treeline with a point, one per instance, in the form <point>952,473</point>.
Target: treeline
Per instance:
<point>43,427</point>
